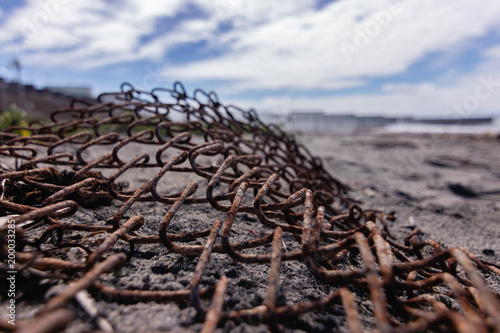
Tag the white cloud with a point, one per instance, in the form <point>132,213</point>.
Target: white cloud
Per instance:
<point>493,52</point>
<point>270,44</point>
<point>244,14</point>
<point>303,50</point>
<point>86,33</point>
<point>56,38</point>
<point>466,96</point>
<point>99,32</point>
<point>187,32</point>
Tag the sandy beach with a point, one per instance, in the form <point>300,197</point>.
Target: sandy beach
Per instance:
<point>446,185</point>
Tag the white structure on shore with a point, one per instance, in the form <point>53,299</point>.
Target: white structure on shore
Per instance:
<point>321,122</point>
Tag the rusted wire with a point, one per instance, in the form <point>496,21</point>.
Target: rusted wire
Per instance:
<point>242,170</point>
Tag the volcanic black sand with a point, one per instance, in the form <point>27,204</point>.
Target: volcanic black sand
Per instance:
<point>446,185</point>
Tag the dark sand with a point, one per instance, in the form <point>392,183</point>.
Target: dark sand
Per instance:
<point>413,175</point>
<point>448,185</point>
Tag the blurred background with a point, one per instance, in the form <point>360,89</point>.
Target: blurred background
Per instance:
<point>309,65</point>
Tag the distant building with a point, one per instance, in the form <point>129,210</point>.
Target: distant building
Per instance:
<point>306,121</point>
<point>321,122</point>
<point>39,103</point>
<point>80,92</point>
<point>371,122</point>
<point>338,122</point>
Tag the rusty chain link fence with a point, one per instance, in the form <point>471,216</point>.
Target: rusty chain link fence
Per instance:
<point>205,191</point>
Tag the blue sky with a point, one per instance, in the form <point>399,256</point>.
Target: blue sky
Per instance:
<point>396,57</point>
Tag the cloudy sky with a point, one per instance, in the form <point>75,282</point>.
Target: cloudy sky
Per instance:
<point>396,57</point>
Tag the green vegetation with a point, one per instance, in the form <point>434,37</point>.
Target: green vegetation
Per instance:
<point>13,116</point>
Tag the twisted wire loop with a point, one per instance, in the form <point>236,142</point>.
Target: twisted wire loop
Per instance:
<point>237,168</point>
